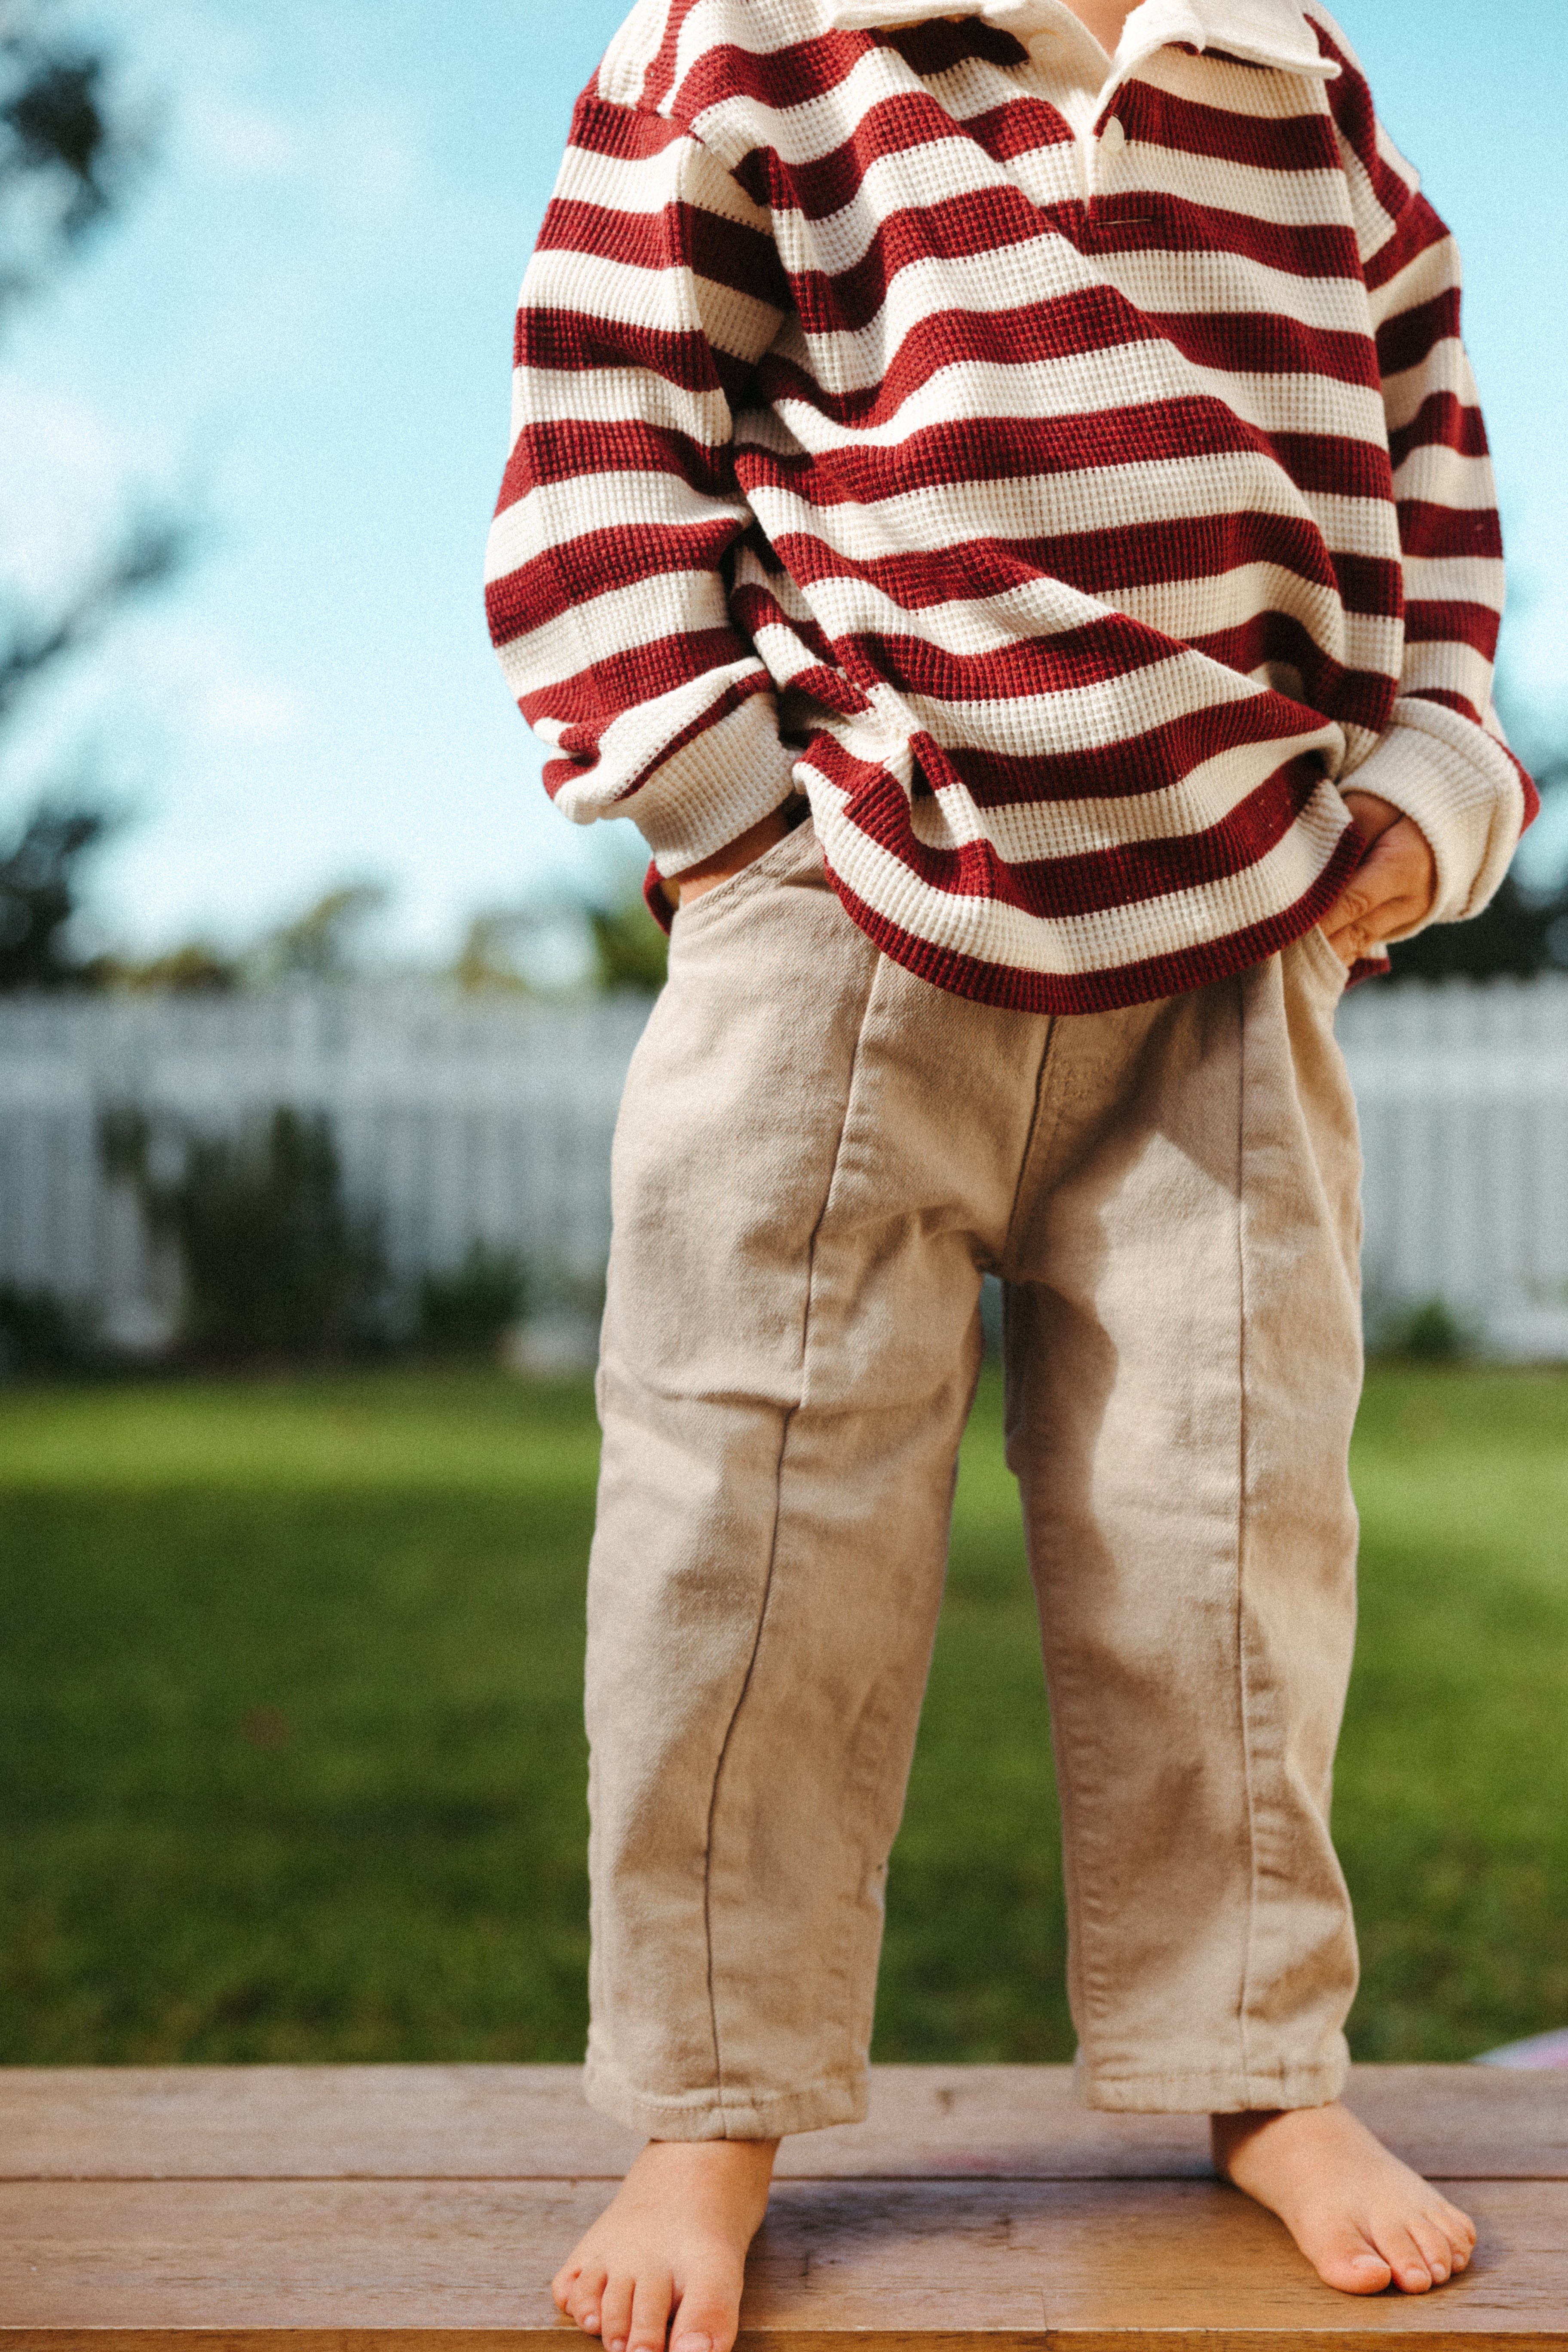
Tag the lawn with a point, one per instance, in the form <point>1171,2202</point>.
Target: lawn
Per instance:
<point>292,1760</point>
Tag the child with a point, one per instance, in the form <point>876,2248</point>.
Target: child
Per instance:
<point>998,499</point>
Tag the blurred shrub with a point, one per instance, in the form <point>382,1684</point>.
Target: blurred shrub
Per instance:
<point>275,1263</point>
<point>630,951</point>
<point>39,1332</point>
<point>464,1313</point>
<point>1430,1333</point>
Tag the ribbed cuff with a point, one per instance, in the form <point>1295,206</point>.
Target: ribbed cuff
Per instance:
<point>1456,782</point>
<point>716,787</point>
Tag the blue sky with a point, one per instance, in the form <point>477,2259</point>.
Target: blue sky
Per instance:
<point>304,325</point>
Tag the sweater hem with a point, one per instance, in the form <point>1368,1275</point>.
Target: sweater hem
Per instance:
<point>1176,973</point>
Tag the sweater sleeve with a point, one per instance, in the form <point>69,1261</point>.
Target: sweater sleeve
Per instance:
<point>649,302</point>
<point>1443,758</point>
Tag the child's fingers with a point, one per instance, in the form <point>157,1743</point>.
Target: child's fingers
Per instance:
<point>1390,889</point>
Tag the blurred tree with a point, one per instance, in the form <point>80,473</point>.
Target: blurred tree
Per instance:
<point>484,962</point>
<point>319,943</point>
<point>196,968</point>
<point>39,887</point>
<point>71,146</point>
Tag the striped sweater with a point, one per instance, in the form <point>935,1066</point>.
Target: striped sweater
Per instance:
<point>1066,512</point>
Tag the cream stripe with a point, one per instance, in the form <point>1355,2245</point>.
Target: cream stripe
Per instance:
<point>1089,500</point>
<point>1105,942</point>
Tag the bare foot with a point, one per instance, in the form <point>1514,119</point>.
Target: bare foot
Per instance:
<point>672,2242</point>
<point>1360,2216</point>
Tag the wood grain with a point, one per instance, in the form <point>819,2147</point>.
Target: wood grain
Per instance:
<point>1080,2263</point>
<point>423,2208</point>
<point>521,2123</point>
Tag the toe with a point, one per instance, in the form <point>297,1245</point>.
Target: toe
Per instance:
<point>1353,2264</point>
<point>585,2296</point>
<point>561,2284</point>
<point>1401,2251</point>
<point>1436,2246</point>
<point>708,2319</point>
<point>616,2313</point>
<point>1460,2232</point>
<point>650,2311</point>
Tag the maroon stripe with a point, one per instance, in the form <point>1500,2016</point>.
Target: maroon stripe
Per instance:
<point>1098,562</point>
<point>575,341</point>
<point>1149,220</point>
<point>1132,873</point>
<point>723,250</point>
<point>1449,701</point>
<point>1327,463</point>
<point>1354,697</point>
<point>1350,103</point>
<point>626,132</point>
<point>1024,126</point>
<point>563,449</point>
<point>902,123</point>
<point>1418,229</point>
<point>738,691</point>
<point>1024,448</point>
<point>977,221</point>
<point>1114,647</point>
<point>1150,762</point>
<point>1097,991</point>
<point>1057,889</point>
<point>937,46</point>
<point>945,339</point>
<point>1452,622</point>
<point>637,674</point>
<point>1263,343</point>
<point>659,76</point>
<point>755,608</point>
<point>1286,143</point>
<point>1403,342</point>
<point>1433,530</point>
<point>574,570</point>
<point>782,78</point>
<point>1442,421</point>
<point>1371,585</point>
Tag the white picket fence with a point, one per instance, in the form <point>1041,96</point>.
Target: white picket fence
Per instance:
<point>489,1118</point>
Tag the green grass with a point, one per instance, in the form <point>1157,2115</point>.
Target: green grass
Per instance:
<point>291,1758</point>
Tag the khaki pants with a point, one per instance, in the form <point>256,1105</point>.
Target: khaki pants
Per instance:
<point>817,1156</point>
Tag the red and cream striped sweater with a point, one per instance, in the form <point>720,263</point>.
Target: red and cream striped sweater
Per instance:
<point>1065,510</point>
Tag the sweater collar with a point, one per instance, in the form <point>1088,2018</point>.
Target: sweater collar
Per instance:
<point>1260,32</point>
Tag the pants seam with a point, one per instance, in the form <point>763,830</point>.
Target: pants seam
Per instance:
<point>790,1412</point>
<point>1244,1691</point>
<point>1047,1054</point>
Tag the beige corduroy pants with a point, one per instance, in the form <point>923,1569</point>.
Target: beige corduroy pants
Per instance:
<point>817,1156</point>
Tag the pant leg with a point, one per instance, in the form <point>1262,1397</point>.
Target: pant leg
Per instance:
<point>1184,1363</point>
<point>814,1153</point>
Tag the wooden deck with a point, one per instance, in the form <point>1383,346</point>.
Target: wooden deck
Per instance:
<point>422,2208</point>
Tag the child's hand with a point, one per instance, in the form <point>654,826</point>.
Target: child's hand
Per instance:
<point>1391,888</point>
<point>723,863</point>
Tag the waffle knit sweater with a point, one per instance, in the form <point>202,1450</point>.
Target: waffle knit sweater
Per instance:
<point>1065,511</point>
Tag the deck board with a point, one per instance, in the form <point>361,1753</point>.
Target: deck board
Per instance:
<point>423,2208</point>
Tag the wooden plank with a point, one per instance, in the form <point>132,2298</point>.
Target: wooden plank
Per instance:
<point>531,2122</point>
<point>842,2266</point>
